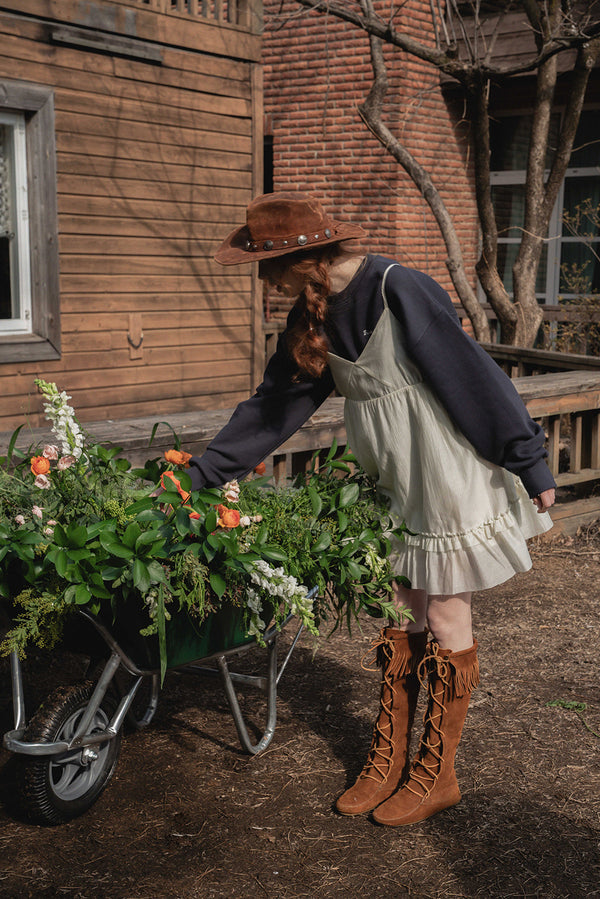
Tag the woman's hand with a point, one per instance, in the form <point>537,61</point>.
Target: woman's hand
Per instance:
<point>545,500</point>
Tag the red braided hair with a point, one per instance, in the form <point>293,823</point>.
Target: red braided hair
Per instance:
<point>306,341</point>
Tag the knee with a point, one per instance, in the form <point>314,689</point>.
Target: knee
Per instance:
<point>449,620</point>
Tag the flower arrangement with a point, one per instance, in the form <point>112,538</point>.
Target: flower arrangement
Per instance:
<point>80,529</point>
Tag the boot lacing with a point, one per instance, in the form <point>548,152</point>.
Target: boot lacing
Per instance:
<point>379,758</point>
<point>431,663</point>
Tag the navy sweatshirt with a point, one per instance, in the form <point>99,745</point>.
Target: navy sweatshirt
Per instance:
<point>477,394</point>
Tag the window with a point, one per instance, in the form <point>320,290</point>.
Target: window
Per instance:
<point>573,246</point>
<point>15,280</point>
<point>29,295</point>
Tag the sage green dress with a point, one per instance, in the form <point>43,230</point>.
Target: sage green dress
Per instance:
<point>469,518</point>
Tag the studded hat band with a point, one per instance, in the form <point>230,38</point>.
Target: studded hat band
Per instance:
<point>302,240</point>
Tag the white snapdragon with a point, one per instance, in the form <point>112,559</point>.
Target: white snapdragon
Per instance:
<point>64,424</point>
<point>284,587</point>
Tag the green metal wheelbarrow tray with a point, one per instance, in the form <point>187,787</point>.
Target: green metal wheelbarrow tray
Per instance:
<point>69,749</point>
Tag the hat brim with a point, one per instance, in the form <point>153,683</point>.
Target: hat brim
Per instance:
<point>233,250</point>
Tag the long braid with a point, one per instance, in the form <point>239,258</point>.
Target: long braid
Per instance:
<point>307,343</point>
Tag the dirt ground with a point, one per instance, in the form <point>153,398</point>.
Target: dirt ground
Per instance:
<point>188,815</point>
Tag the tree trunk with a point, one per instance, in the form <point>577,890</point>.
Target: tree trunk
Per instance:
<point>541,190</point>
<point>371,113</point>
<point>487,265</point>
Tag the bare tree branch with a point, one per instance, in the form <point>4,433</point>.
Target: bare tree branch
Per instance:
<point>445,58</point>
<point>556,27</point>
<point>371,113</point>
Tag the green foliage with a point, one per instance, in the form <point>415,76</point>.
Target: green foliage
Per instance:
<point>95,535</point>
<point>40,621</point>
<point>332,531</point>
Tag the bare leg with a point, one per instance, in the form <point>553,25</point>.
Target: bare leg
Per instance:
<point>449,620</point>
<point>416,602</point>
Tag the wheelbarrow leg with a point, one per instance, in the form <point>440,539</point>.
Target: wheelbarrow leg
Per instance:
<point>269,684</point>
<point>17,692</point>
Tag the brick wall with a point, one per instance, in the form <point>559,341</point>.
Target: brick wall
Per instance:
<point>317,71</point>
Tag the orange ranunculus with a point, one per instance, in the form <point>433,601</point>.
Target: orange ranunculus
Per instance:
<point>169,474</point>
<point>178,457</point>
<point>192,512</point>
<point>260,468</point>
<point>40,465</point>
<point>228,518</point>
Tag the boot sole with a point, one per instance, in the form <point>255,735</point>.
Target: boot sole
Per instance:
<point>364,809</point>
<point>415,818</point>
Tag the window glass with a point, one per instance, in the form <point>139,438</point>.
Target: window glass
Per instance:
<point>507,255</point>
<point>5,227</point>
<point>586,146</point>
<point>570,255</point>
<point>579,269</point>
<point>509,204</point>
<point>509,137</point>
<point>29,280</point>
<point>15,280</point>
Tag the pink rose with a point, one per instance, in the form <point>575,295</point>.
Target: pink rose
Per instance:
<point>66,462</point>
<point>48,531</point>
<point>36,509</point>
<point>42,481</point>
<point>231,491</point>
<point>20,519</point>
<point>50,452</point>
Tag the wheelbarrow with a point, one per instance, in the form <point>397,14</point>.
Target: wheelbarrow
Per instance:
<point>70,747</point>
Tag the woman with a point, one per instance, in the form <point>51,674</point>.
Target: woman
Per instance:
<point>439,426</point>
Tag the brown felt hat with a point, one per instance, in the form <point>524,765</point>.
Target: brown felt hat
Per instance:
<point>280,223</point>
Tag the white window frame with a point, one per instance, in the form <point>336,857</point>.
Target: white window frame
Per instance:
<point>42,339</point>
<point>20,273</point>
<point>555,237</point>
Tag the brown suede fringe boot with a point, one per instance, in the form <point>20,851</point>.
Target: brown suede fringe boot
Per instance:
<point>398,655</point>
<point>431,785</point>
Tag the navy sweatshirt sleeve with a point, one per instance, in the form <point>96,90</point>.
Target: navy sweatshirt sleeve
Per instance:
<point>478,395</point>
<point>262,423</point>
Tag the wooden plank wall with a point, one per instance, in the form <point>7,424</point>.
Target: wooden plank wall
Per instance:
<point>156,163</point>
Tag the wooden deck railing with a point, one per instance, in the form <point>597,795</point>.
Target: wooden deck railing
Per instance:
<point>566,403</point>
<point>519,361</point>
<point>234,12</point>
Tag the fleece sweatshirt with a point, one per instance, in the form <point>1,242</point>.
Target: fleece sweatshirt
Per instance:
<point>476,393</point>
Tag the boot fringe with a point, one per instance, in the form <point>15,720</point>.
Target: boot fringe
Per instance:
<point>397,660</point>
<point>465,667</point>
<point>465,681</point>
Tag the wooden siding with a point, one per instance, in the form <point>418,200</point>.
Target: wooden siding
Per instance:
<point>155,164</point>
<point>508,39</point>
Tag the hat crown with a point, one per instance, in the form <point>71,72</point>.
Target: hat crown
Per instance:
<point>283,222</point>
<point>284,215</point>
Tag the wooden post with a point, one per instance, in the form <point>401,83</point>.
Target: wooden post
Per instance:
<point>301,461</point>
<point>553,442</point>
<point>279,467</point>
<point>575,463</point>
<point>595,440</point>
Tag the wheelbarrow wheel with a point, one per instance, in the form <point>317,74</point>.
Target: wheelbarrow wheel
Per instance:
<point>54,790</point>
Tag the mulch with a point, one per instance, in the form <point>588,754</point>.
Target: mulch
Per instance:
<point>188,814</point>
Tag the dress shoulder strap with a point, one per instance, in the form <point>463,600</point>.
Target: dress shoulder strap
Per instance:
<point>383,280</point>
